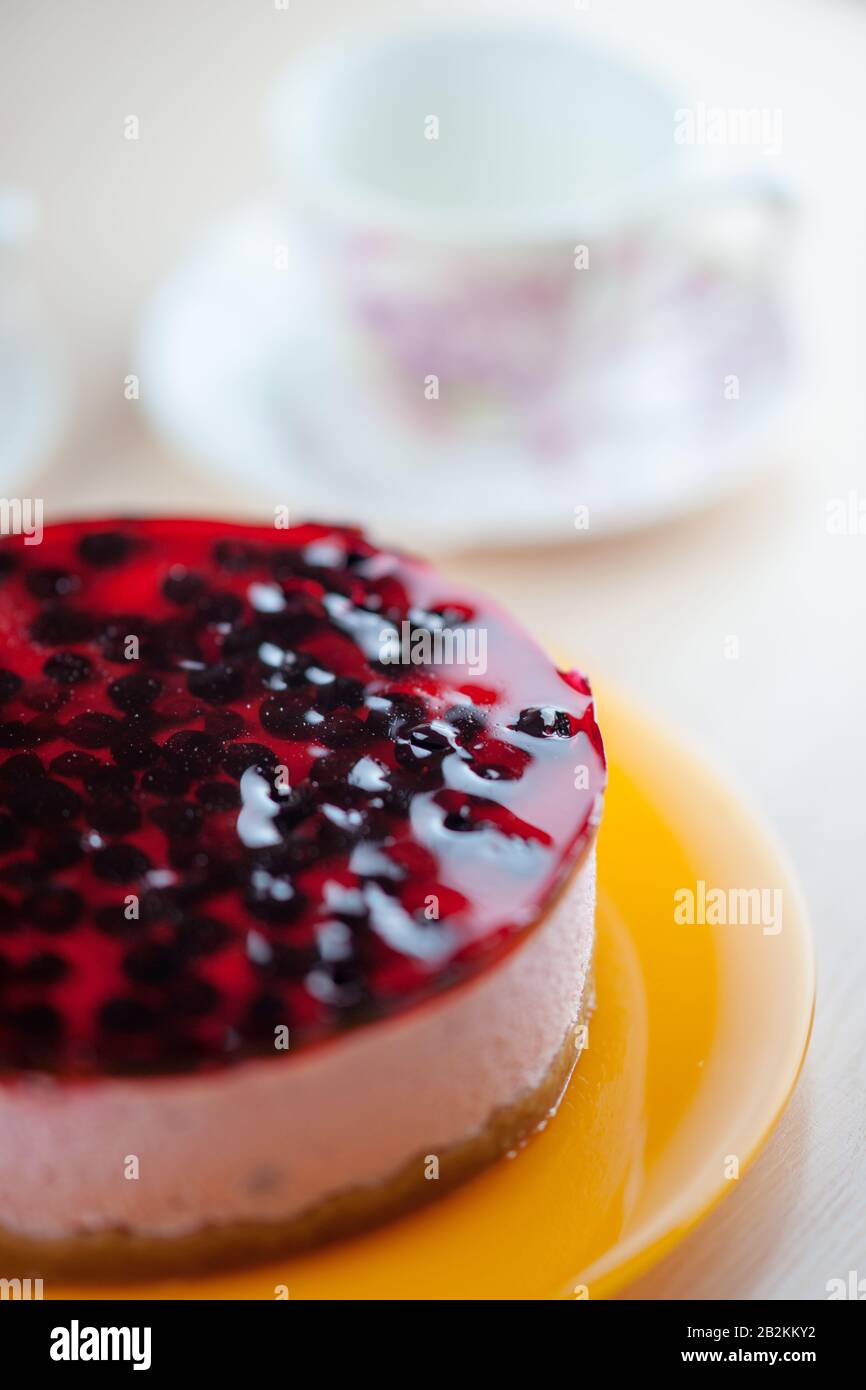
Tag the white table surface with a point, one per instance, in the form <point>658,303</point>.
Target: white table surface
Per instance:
<point>651,612</point>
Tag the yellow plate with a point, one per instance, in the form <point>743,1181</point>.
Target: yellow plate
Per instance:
<point>695,1044</point>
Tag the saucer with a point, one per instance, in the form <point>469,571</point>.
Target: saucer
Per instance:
<point>695,1043</point>
<point>244,367</point>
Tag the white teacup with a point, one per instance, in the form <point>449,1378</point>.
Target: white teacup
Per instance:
<point>488,204</point>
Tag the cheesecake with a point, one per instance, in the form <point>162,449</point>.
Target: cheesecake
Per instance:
<point>297,886</point>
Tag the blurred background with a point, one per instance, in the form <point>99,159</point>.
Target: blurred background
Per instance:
<point>625,395</point>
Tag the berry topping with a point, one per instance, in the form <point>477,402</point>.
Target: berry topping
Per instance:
<point>134,693</point>
<point>544,722</point>
<point>253,778</point>
<point>182,585</point>
<point>68,668</point>
<point>10,684</point>
<point>105,548</point>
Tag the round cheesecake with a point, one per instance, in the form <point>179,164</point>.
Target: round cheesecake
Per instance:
<point>296,890</point>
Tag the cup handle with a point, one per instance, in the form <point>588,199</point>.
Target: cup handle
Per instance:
<point>736,218</point>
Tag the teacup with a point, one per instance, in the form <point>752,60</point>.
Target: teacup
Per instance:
<point>491,206</point>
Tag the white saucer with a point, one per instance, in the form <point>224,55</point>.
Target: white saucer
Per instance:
<point>243,368</point>
<point>31,407</point>
<point>32,394</point>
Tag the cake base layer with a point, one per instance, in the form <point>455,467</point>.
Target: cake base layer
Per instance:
<point>123,1256</point>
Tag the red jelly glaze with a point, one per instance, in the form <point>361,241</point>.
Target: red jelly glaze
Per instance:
<point>403,825</point>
